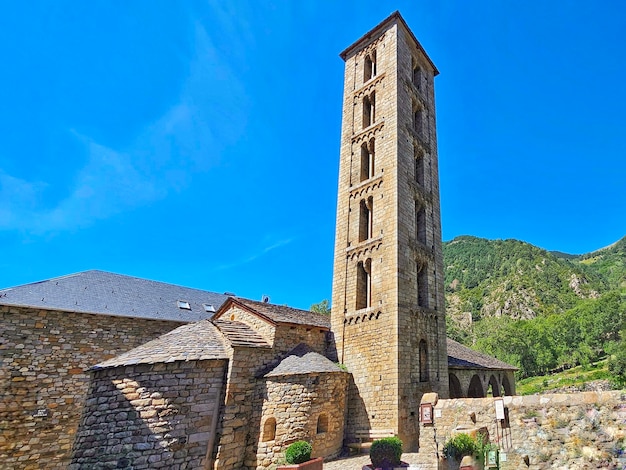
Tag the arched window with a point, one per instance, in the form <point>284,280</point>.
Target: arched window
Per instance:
<point>419,166</point>
<point>369,110</point>
<point>420,223</point>
<point>365,219</point>
<point>493,389</point>
<point>422,284</point>
<point>269,429</point>
<point>417,75</point>
<point>475,389</point>
<point>363,284</point>
<point>508,391</point>
<point>418,121</point>
<point>322,423</point>
<point>367,160</point>
<point>455,387</point>
<point>369,67</point>
<point>423,361</point>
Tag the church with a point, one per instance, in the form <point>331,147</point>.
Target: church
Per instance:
<point>102,370</point>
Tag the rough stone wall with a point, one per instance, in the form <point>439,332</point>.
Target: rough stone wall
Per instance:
<point>386,391</point>
<point>240,425</point>
<point>150,416</point>
<point>43,380</point>
<point>561,431</point>
<point>296,403</point>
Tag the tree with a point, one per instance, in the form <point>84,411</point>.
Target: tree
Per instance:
<point>322,307</point>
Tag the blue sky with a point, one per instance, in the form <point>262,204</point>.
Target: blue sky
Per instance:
<point>197,143</point>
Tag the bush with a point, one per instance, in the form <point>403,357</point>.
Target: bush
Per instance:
<point>298,452</point>
<point>386,452</point>
<point>459,446</point>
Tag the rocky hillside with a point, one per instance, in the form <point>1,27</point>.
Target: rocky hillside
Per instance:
<point>494,284</point>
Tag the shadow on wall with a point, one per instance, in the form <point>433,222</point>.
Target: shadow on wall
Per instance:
<point>138,416</point>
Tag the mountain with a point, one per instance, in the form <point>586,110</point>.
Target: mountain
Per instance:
<point>496,288</point>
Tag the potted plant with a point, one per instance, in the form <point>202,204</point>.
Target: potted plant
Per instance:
<point>386,453</point>
<point>463,451</point>
<point>298,456</point>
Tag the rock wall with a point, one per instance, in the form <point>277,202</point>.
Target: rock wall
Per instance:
<point>307,407</point>
<point>150,416</point>
<point>560,431</point>
<point>44,358</point>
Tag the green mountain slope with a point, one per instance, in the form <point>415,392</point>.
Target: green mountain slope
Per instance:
<point>536,309</point>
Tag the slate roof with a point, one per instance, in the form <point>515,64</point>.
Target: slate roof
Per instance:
<point>283,314</point>
<point>462,357</point>
<point>240,334</point>
<point>195,341</point>
<point>107,293</point>
<point>303,360</point>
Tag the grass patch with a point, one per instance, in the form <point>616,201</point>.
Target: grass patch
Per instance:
<point>576,376</point>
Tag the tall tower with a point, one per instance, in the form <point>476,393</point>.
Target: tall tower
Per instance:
<point>388,315</point>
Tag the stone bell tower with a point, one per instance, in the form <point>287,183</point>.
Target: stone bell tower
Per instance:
<point>388,314</point>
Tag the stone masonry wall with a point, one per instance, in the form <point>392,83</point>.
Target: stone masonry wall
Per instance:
<point>150,416</point>
<point>296,403</point>
<point>238,432</point>
<point>43,380</point>
<point>561,431</point>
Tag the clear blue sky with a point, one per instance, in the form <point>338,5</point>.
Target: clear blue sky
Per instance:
<point>197,143</point>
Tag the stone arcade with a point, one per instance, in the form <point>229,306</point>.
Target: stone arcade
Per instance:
<point>181,378</point>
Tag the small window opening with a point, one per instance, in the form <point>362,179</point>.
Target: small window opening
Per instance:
<point>417,75</point>
<point>365,219</point>
<point>419,167</point>
<point>423,361</point>
<point>420,223</point>
<point>364,284</point>
<point>269,429</point>
<point>422,286</point>
<point>418,118</point>
<point>367,160</point>
<point>369,68</point>
<point>184,305</point>
<point>369,106</point>
<point>322,423</point>
<point>209,308</point>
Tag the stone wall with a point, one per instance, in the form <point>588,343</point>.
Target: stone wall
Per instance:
<point>304,407</point>
<point>560,431</point>
<point>238,432</point>
<point>43,379</point>
<point>150,416</point>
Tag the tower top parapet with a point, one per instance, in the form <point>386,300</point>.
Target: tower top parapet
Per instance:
<point>395,17</point>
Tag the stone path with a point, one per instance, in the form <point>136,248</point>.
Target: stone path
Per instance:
<point>356,462</point>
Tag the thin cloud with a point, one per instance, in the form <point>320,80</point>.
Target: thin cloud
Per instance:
<point>255,256</point>
<point>188,138</point>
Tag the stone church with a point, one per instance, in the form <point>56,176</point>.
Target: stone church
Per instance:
<point>101,370</point>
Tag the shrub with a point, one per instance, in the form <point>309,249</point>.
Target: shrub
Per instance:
<point>386,452</point>
<point>459,446</point>
<point>298,452</point>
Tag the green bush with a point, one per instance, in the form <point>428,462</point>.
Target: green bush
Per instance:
<point>386,452</point>
<point>459,446</point>
<point>298,452</point>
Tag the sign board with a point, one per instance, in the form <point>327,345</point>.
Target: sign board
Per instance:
<point>426,413</point>
<point>499,402</point>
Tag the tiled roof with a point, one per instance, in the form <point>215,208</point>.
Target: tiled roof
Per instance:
<point>114,294</point>
<point>240,334</point>
<point>284,314</point>
<point>303,360</point>
<point>196,341</point>
<point>462,357</point>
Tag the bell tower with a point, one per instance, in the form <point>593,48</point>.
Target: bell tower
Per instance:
<point>388,314</point>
